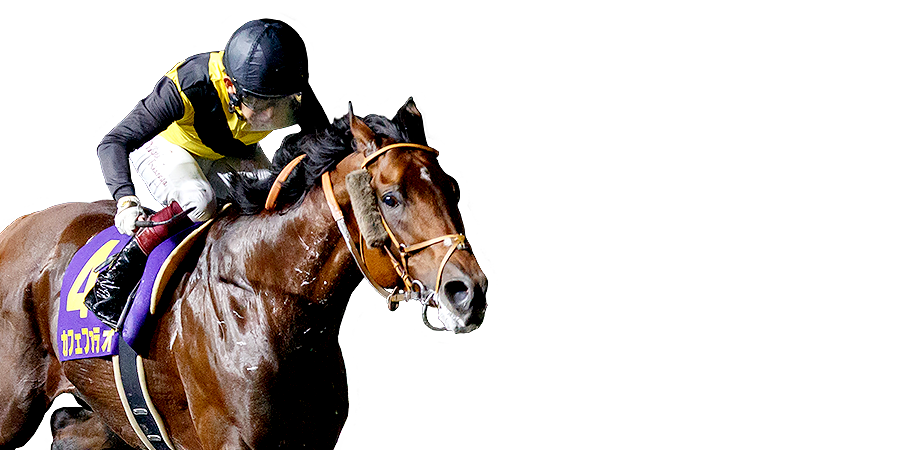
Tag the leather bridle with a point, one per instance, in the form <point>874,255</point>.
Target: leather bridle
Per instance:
<point>411,289</point>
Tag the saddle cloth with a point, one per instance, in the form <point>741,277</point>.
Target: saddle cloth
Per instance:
<point>80,334</point>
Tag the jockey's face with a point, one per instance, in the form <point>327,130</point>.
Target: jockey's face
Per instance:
<point>265,114</point>
<point>268,114</point>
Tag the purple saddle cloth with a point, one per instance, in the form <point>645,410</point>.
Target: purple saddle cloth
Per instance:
<point>79,333</point>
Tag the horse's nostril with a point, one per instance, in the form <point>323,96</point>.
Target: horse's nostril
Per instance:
<point>457,292</point>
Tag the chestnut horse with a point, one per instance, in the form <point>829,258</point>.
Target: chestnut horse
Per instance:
<point>245,354</point>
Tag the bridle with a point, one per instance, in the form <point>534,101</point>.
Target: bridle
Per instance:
<point>411,289</point>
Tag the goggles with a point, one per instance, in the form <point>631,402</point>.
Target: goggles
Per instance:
<point>262,104</point>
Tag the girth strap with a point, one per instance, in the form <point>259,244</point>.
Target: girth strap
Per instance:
<point>131,384</point>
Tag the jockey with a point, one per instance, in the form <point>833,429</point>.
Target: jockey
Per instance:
<point>201,123</point>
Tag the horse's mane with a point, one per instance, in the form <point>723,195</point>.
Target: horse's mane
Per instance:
<point>323,150</point>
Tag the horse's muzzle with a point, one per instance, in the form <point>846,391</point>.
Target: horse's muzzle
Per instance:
<point>467,297</point>
<point>463,303</point>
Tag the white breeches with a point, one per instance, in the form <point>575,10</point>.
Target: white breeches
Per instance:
<point>171,173</point>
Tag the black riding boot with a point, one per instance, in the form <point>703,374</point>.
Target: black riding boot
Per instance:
<point>114,284</point>
<point>108,297</point>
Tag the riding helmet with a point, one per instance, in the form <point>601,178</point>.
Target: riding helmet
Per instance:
<point>266,58</point>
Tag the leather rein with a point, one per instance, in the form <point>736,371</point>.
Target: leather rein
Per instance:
<point>411,289</point>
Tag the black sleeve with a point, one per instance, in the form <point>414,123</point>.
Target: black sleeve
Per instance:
<point>148,118</point>
<point>309,114</point>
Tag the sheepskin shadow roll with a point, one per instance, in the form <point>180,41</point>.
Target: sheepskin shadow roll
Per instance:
<point>365,208</point>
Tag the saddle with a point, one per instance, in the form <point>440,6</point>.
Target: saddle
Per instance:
<point>80,334</point>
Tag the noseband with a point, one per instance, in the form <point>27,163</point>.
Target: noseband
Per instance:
<point>412,289</point>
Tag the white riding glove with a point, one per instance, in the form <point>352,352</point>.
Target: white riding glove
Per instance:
<point>128,211</point>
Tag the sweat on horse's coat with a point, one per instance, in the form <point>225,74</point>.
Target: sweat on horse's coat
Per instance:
<point>277,282</point>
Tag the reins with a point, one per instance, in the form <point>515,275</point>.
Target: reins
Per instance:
<point>282,176</point>
<point>412,289</point>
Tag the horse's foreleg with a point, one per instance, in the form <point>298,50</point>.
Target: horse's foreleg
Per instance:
<point>104,416</point>
<point>23,379</point>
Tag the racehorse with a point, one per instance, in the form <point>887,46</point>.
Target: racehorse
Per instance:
<point>245,353</point>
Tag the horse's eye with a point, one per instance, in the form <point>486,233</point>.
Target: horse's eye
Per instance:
<point>455,187</point>
<point>390,200</point>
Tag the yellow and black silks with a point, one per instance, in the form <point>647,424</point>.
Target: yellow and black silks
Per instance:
<point>207,122</point>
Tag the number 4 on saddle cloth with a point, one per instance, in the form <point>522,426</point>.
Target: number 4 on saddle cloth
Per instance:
<point>80,333</point>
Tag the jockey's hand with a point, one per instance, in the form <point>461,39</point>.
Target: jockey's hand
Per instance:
<point>128,211</point>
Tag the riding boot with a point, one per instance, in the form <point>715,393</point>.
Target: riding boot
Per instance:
<point>119,278</point>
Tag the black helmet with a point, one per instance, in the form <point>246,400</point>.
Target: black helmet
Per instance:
<point>266,58</point>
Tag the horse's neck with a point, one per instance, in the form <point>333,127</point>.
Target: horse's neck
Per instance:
<point>299,253</point>
<point>263,305</point>
<point>282,271</point>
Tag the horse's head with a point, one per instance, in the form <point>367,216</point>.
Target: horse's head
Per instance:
<point>414,227</point>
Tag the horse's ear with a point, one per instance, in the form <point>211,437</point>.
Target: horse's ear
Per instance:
<point>409,108</point>
<point>409,114</point>
<point>362,134</point>
<point>416,128</point>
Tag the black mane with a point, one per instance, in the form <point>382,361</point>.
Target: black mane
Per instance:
<point>323,150</point>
